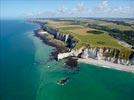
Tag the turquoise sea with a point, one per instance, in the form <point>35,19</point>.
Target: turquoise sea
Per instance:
<point>21,78</point>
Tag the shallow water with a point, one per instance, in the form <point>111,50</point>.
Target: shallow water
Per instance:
<point>21,78</point>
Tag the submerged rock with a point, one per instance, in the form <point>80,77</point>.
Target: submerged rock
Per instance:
<point>63,81</point>
<point>71,63</point>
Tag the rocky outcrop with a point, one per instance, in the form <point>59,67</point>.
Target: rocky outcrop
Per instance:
<point>69,54</point>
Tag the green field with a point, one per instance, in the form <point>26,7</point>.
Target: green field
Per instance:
<point>110,24</point>
<point>89,36</point>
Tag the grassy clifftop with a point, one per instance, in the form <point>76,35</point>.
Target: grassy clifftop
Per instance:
<point>89,36</point>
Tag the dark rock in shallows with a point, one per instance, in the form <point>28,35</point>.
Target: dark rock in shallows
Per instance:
<point>71,62</point>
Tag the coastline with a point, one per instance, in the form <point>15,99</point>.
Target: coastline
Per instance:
<point>106,64</point>
<point>62,52</point>
<point>49,40</point>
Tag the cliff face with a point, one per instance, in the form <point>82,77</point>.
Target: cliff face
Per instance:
<point>106,54</point>
<point>68,39</point>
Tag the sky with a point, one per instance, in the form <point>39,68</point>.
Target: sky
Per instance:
<point>66,8</point>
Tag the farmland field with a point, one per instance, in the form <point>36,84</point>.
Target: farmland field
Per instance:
<point>90,36</point>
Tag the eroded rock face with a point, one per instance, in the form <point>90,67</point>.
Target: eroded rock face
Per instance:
<point>93,52</point>
<point>106,54</point>
<point>132,58</point>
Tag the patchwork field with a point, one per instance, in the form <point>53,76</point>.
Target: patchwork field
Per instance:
<point>87,36</point>
<point>111,25</point>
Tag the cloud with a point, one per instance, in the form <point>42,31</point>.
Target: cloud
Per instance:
<point>80,10</point>
<point>125,11</point>
<point>104,9</point>
<point>103,6</point>
<point>45,14</point>
<point>122,10</point>
<point>62,10</point>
